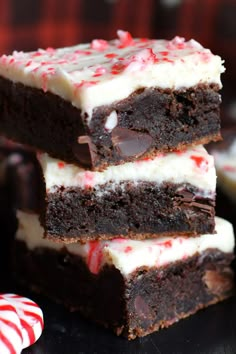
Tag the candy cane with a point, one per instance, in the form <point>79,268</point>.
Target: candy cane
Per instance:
<point>30,316</point>
<point>11,338</point>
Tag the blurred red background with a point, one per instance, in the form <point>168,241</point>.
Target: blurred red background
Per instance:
<point>30,24</point>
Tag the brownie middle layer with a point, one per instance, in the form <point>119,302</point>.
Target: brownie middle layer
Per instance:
<point>129,210</point>
<point>148,121</point>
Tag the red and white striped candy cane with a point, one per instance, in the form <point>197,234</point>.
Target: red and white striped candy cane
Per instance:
<point>30,316</point>
<point>11,338</point>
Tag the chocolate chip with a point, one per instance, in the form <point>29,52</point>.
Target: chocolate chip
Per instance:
<point>85,151</point>
<point>188,199</point>
<point>184,195</point>
<point>208,209</point>
<point>129,143</point>
<point>219,282</point>
<point>142,309</point>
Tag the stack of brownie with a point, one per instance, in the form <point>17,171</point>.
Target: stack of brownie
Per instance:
<point>125,228</point>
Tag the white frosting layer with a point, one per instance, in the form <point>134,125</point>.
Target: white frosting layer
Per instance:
<point>101,72</point>
<point>128,255</point>
<point>194,166</point>
<point>225,162</point>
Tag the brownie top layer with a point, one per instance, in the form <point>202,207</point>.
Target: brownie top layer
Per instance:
<point>193,166</point>
<point>128,255</point>
<point>102,72</point>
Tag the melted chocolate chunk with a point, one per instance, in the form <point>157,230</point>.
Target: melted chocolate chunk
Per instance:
<point>205,208</point>
<point>129,143</point>
<point>187,198</point>
<point>219,282</point>
<point>85,151</point>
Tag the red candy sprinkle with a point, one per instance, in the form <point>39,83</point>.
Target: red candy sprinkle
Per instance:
<point>143,40</point>
<point>83,52</point>
<point>206,57</point>
<point>144,159</point>
<point>179,152</point>
<point>99,71</point>
<point>199,160</point>
<point>167,60</point>
<point>45,63</point>
<point>146,56</point>
<point>61,164</point>
<point>125,39</point>
<point>94,256</point>
<point>128,249</point>
<point>164,53</point>
<point>35,69</point>
<point>176,43</point>
<point>167,244</point>
<point>110,55</point>
<point>36,54</point>
<point>180,45</point>
<point>117,68</point>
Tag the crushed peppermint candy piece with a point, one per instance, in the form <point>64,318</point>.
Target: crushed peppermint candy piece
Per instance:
<point>125,39</point>
<point>11,337</point>
<point>99,44</point>
<point>27,322</point>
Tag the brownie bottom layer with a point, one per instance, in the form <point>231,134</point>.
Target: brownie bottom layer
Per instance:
<point>144,211</point>
<point>143,302</point>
